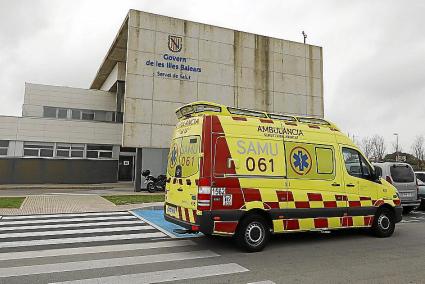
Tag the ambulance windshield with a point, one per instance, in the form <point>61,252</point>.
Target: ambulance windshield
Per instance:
<point>183,159</point>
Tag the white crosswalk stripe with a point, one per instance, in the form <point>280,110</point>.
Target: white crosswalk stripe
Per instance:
<point>168,275</point>
<point>102,263</point>
<point>64,215</point>
<point>73,248</point>
<point>72,225</point>
<point>83,219</point>
<point>136,227</point>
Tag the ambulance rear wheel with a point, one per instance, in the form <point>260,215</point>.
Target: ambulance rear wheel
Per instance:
<point>253,233</point>
<point>383,223</point>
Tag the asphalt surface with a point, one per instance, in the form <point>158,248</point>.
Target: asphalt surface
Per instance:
<point>117,247</point>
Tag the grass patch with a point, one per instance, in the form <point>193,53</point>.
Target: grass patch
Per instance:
<point>11,202</point>
<point>132,199</point>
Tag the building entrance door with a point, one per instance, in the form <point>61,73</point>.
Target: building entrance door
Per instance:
<point>125,170</point>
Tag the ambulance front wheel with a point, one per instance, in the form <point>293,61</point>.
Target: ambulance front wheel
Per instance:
<point>383,223</point>
<point>253,233</point>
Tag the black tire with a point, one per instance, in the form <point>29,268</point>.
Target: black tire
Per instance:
<point>150,187</point>
<point>407,209</point>
<point>422,205</point>
<point>253,233</point>
<point>383,223</point>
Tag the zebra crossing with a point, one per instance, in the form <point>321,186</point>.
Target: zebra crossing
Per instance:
<point>105,247</point>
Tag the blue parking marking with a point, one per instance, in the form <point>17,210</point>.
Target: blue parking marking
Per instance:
<point>156,219</point>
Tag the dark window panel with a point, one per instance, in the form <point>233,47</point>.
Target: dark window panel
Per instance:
<point>76,114</point>
<point>62,113</point>
<point>99,147</point>
<point>77,154</point>
<point>49,112</point>
<point>46,153</point>
<point>31,152</point>
<point>88,116</point>
<point>105,154</point>
<point>100,115</point>
<point>4,143</point>
<point>62,153</point>
<point>92,154</point>
<point>3,151</point>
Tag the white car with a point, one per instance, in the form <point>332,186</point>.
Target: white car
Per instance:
<point>420,177</point>
<point>402,176</point>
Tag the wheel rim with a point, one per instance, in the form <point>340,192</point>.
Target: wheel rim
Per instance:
<point>254,234</point>
<point>384,222</point>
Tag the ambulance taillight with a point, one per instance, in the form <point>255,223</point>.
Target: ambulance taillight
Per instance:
<point>204,194</point>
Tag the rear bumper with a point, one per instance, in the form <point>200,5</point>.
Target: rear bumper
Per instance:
<point>410,203</point>
<point>179,222</point>
<point>398,213</point>
<point>205,222</point>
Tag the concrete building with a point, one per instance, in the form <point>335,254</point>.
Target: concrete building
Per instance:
<point>154,65</point>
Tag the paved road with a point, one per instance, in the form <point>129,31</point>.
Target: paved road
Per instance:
<point>116,247</point>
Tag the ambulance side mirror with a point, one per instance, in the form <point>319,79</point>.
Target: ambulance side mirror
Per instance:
<point>376,174</point>
<point>231,161</point>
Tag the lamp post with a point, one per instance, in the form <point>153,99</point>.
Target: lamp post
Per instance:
<point>304,36</point>
<point>396,147</point>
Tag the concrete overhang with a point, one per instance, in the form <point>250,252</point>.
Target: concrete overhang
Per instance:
<point>116,53</point>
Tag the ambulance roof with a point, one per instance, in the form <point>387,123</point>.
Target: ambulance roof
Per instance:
<point>208,108</point>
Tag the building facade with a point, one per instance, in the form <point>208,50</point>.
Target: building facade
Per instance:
<point>155,65</point>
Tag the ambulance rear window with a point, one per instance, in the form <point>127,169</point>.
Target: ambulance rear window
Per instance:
<point>183,158</point>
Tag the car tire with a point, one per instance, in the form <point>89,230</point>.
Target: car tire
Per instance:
<point>150,187</point>
<point>407,209</point>
<point>422,205</point>
<point>383,223</point>
<point>253,233</point>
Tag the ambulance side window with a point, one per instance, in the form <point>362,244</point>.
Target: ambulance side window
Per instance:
<point>324,160</point>
<point>355,164</point>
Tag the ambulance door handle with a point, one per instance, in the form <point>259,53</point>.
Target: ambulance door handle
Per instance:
<point>180,189</point>
<point>350,185</point>
<point>335,184</point>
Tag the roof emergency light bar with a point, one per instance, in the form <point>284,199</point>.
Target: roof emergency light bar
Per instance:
<point>198,108</point>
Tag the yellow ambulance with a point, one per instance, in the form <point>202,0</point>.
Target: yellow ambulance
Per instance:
<point>248,174</point>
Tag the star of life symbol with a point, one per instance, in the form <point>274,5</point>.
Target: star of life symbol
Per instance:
<point>301,161</point>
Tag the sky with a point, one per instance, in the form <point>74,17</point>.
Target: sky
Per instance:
<point>374,51</point>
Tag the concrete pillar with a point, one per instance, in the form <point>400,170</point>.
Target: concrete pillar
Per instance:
<point>138,170</point>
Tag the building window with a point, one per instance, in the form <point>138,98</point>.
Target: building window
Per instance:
<point>38,149</point>
<point>62,113</point>
<point>87,115</point>
<point>49,112</point>
<point>99,151</point>
<point>70,150</point>
<point>76,114</point>
<point>82,114</point>
<point>4,146</point>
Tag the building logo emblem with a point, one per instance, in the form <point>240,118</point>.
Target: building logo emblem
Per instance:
<point>300,160</point>
<point>175,43</point>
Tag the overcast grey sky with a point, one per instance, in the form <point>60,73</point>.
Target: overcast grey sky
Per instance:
<point>374,51</point>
